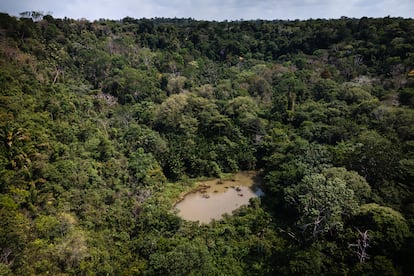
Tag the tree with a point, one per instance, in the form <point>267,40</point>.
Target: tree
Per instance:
<point>387,228</point>
<point>322,203</point>
<point>185,259</point>
<point>306,262</point>
<point>14,230</point>
<point>293,88</point>
<point>374,157</point>
<point>144,169</point>
<point>355,182</point>
<point>406,97</point>
<point>244,111</point>
<point>354,94</point>
<point>325,89</point>
<point>360,248</point>
<point>171,115</point>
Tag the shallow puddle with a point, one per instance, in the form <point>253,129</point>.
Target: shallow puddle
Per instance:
<point>216,197</point>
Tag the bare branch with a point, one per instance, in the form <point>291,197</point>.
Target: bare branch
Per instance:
<point>4,256</point>
<point>361,246</point>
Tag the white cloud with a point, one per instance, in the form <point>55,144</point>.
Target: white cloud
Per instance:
<point>213,9</point>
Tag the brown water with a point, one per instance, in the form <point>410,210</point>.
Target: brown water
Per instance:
<point>216,197</point>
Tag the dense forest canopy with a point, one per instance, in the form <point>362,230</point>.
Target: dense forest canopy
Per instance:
<point>103,124</point>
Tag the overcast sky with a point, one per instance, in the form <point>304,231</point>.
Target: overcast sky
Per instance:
<point>213,9</point>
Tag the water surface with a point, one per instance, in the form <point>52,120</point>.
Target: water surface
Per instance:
<point>216,197</point>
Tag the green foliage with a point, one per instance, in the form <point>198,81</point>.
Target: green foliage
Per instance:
<point>145,169</point>
<point>406,97</point>
<point>103,124</point>
<point>388,228</point>
<point>379,265</point>
<point>306,262</point>
<point>375,157</point>
<point>355,182</point>
<point>322,203</point>
<point>14,231</point>
<point>47,227</point>
<point>185,259</point>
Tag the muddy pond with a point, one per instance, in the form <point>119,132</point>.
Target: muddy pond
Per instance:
<point>215,197</point>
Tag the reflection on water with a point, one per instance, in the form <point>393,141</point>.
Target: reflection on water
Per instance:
<point>217,197</point>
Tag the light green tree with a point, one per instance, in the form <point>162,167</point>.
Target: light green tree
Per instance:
<point>322,203</point>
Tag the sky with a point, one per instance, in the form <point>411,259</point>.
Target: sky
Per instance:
<point>218,10</point>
